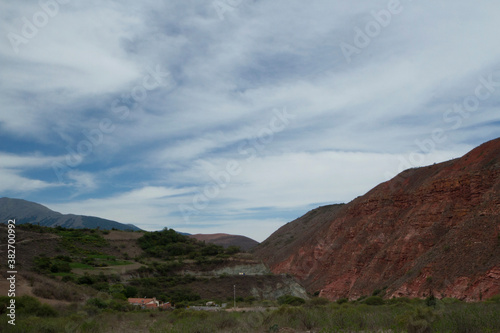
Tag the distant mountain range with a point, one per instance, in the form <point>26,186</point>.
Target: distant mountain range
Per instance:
<point>30,212</point>
<point>226,240</point>
<point>429,230</point>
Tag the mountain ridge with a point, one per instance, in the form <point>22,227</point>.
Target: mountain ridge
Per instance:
<point>24,211</point>
<point>429,230</point>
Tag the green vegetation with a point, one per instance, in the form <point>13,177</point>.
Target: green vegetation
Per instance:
<point>98,296</point>
<point>374,300</point>
<point>111,314</point>
<point>75,241</point>
<point>166,253</point>
<point>27,306</point>
<point>290,300</point>
<point>168,244</point>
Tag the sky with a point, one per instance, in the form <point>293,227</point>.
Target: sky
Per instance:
<point>236,116</point>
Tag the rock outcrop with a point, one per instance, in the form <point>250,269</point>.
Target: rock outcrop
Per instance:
<point>434,229</point>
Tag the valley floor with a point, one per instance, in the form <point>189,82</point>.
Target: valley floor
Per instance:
<point>314,316</point>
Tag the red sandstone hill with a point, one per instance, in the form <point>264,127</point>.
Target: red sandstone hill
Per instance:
<point>434,229</point>
<point>226,240</point>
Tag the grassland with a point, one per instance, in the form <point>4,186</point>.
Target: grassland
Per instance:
<point>316,315</point>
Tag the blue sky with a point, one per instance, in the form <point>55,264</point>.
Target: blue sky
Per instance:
<point>236,116</point>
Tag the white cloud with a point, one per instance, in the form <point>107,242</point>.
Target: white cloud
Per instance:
<point>9,160</point>
<point>353,124</point>
<point>12,182</point>
<point>144,207</point>
<point>12,167</point>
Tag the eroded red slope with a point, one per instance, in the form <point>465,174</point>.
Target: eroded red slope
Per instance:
<point>429,230</point>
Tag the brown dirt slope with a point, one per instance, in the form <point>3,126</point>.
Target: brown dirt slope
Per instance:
<point>434,229</point>
<point>226,240</point>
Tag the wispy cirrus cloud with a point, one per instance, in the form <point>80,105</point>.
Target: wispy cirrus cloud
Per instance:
<point>355,122</point>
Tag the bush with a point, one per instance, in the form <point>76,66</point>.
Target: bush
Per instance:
<point>31,306</point>
<point>319,301</point>
<point>290,300</point>
<point>119,296</point>
<point>97,302</point>
<point>68,278</point>
<point>374,300</point>
<point>130,291</point>
<point>249,299</point>
<point>494,299</point>
<point>431,301</point>
<point>420,320</point>
<point>42,264</point>
<point>53,289</point>
<point>62,267</point>
<point>183,295</point>
<point>342,300</point>
<point>86,279</point>
<point>232,250</point>
<point>101,286</point>
<point>212,250</point>
<point>64,258</point>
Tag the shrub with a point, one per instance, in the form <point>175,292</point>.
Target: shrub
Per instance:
<point>420,320</point>
<point>86,279</point>
<point>101,286</point>
<point>450,300</point>
<point>119,296</point>
<point>232,250</point>
<point>62,267</point>
<point>250,299</point>
<point>374,300</point>
<point>130,291</point>
<point>211,250</point>
<point>64,258</point>
<point>32,306</point>
<point>68,278</point>
<point>494,299</point>
<point>42,264</point>
<point>97,302</point>
<point>319,301</point>
<point>342,300</point>
<point>290,300</point>
<point>54,289</point>
<point>431,301</point>
<point>361,298</point>
<point>183,295</point>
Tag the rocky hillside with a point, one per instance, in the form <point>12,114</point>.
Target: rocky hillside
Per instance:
<point>226,240</point>
<point>434,229</point>
<point>59,266</point>
<point>30,212</point>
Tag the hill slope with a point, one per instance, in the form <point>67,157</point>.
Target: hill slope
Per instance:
<point>429,230</point>
<point>30,212</point>
<point>226,240</point>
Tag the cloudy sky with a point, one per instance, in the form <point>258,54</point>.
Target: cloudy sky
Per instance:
<point>236,116</point>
